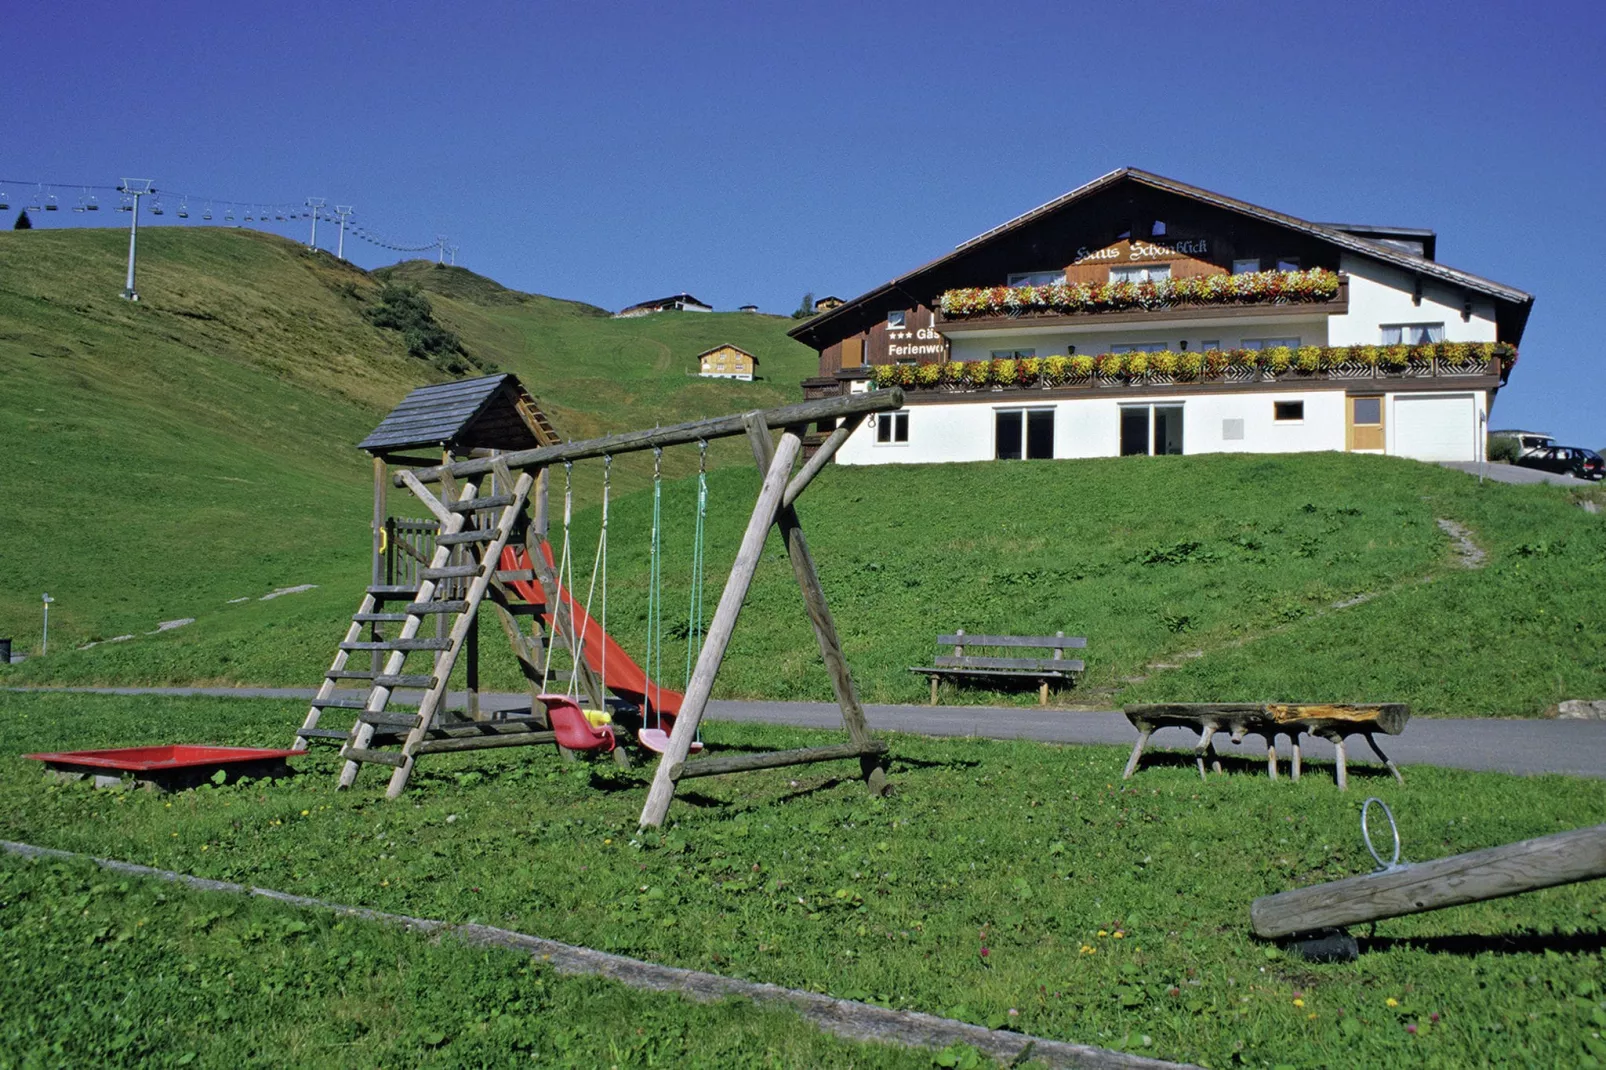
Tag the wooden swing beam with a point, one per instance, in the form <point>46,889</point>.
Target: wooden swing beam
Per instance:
<point>787,416</point>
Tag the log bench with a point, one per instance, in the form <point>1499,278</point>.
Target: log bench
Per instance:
<point>963,663</point>
<point>1334,723</point>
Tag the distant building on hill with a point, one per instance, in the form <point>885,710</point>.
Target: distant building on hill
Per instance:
<point>727,362</point>
<point>826,304</point>
<point>677,303</point>
<point>749,308</point>
<point>1141,315</point>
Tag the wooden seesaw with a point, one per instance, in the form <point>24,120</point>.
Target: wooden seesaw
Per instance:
<point>1312,919</point>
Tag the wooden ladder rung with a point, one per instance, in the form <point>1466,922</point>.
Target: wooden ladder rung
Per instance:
<point>420,609</point>
<point>474,505</point>
<point>324,733</point>
<point>375,757</point>
<point>389,720</point>
<point>341,703</point>
<point>461,537</point>
<point>379,618</point>
<point>450,572</point>
<point>399,644</point>
<point>380,679</point>
<point>391,592</point>
<point>512,575</point>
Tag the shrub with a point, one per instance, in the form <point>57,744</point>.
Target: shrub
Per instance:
<point>1055,369</point>
<point>1081,365</point>
<point>1243,358</point>
<point>886,375</point>
<point>1137,364</point>
<point>928,374</point>
<point>1003,372</point>
<point>1217,360</point>
<point>1109,364</point>
<point>1367,356</point>
<point>1163,363</point>
<point>1308,358</point>
<point>1190,364</point>
<point>1395,357</point>
<point>954,371</point>
<point>1503,448</point>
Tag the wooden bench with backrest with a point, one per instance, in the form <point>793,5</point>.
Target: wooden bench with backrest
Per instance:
<point>963,663</point>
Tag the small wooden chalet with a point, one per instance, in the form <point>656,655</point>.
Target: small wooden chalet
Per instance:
<point>1141,315</point>
<point>727,362</point>
<point>826,304</point>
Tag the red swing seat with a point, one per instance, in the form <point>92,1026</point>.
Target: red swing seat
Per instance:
<point>573,730</point>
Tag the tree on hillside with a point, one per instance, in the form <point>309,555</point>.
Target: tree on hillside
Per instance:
<point>404,308</point>
<point>23,222</point>
<point>805,308</point>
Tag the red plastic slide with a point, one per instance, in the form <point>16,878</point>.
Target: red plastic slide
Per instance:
<point>624,677</point>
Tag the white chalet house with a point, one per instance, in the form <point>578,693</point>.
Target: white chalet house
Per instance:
<point>1138,314</point>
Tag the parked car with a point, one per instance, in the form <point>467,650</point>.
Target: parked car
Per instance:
<point>1567,460</point>
<point>1527,441</point>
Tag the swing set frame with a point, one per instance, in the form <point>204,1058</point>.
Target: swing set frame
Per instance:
<point>774,507</point>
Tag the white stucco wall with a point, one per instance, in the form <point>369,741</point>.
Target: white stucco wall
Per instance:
<point>1091,427</point>
<point>1380,294</point>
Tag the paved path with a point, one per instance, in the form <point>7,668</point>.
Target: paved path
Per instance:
<point>1510,473</point>
<point>1576,748</point>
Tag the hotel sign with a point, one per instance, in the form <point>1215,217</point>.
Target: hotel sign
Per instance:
<point>913,343</point>
<point>1126,251</point>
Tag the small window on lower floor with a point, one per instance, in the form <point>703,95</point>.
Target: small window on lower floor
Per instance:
<point>1288,411</point>
<point>892,427</point>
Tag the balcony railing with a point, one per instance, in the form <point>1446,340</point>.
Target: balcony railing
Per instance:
<point>1209,296</point>
<point>1215,367</point>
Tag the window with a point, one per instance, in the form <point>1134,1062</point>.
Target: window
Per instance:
<point>1270,343</point>
<point>1013,354</point>
<point>1413,334</point>
<point>1036,278</point>
<point>1023,433</point>
<point>1288,411</point>
<point>1368,411</point>
<point>1210,343</point>
<point>1138,347</point>
<point>892,427</point>
<point>1246,267</point>
<point>1288,263</point>
<point>1136,423</point>
<point>1158,230</point>
<point>1140,273</point>
<point>896,320</point>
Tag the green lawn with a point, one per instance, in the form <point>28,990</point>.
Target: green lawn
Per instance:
<point>1110,913</point>
<point>97,968</point>
<point>1228,567</point>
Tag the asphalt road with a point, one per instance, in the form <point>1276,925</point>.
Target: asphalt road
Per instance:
<point>1574,748</point>
<point>1510,473</point>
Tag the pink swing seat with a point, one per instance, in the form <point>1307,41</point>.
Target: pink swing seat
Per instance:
<point>573,730</point>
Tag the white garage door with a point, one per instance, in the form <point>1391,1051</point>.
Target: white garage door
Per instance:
<point>1436,428</point>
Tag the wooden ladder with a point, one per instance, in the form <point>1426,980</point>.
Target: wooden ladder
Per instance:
<point>420,603</point>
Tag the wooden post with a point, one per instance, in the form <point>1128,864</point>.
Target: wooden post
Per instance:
<point>1340,773</point>
<point>1206,745</point>
<point>1384,758</point>
<point>1293,769</point>
<point>1545,862</point>
<point>1137,751</point>
<point>819,611</point>
<point>381,546</point>
<point>1271,754</point>
<point>720,629</point>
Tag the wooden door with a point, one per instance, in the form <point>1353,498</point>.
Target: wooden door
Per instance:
<point>1364,430</point>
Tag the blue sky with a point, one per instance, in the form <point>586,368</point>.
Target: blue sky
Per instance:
<point>751,152</point>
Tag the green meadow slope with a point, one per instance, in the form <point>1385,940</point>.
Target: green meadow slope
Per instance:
<point>166,457</point>
<point>186,456</point>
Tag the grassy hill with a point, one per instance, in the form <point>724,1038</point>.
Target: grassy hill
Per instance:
<point>185,456</point>
<point>168,456</point>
